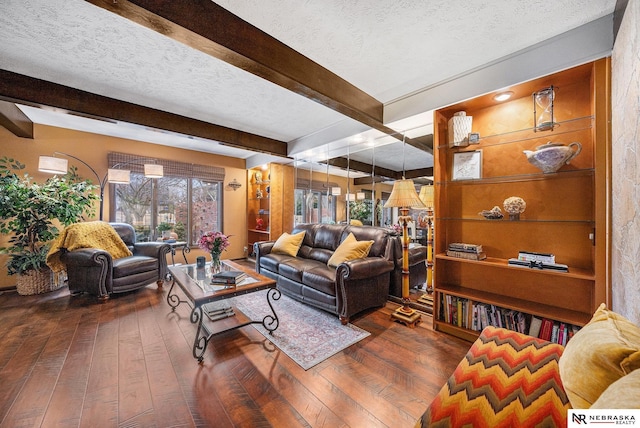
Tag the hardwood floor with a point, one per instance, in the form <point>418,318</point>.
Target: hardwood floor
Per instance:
<point>70,362</point>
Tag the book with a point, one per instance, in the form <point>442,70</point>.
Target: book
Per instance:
<point>538,265</point>
<point>466,255</point>
<point>534,327</point>
<point>467,248</point>
<point>228,277</point>
<point>536,257</point>
<point>221,315</point>
<point>545,329</point>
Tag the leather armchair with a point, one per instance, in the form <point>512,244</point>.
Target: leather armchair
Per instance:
<point>94,271</point>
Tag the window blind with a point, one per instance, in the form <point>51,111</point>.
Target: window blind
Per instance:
<point>135,163</point>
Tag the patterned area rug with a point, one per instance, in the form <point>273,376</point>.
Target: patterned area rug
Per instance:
<point>306,334</point>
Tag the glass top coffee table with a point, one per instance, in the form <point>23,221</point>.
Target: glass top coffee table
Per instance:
<point>216,318</point>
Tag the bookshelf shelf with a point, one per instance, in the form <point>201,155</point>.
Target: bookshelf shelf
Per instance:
<point>566,211</point>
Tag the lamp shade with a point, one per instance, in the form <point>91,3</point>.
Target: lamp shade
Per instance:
<point>152,170</point>
<point>360,195</point>
<point>52,165</point>
<point>118,176</point>
<point>426,196</point>
<point>336,191</point>
<point>350,197</point>
<point>404,195</point>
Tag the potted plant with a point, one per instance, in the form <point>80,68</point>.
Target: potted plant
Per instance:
<point>29,213</point>
<point>164,230</point>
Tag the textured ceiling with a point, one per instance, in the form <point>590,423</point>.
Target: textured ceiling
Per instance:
<point>390,49</point>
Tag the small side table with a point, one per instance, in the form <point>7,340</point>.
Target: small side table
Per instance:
<point>183,246</point>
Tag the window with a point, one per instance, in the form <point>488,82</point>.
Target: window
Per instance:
<point>312,206</point>
<point>187,200</point>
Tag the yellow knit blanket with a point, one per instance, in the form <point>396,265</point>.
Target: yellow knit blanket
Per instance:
<point>91,234</point>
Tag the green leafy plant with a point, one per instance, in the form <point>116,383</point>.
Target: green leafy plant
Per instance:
<point>359,210</point>
<point>163,227</point>
<point>30,211</point>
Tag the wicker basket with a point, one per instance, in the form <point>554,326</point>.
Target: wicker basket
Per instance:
<point>37,282</point>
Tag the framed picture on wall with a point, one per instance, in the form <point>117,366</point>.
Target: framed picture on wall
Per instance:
<point>467,165</point>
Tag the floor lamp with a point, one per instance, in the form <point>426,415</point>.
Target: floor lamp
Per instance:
<point>404,196</point>
<point>427,197</point>
<point>54,165</point>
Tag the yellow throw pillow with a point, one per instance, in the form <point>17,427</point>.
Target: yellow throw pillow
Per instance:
<point>355,222</point>
<point>350,249</point>
<point>621,394</point>
<point>603,351</point>
<point>288,244</point>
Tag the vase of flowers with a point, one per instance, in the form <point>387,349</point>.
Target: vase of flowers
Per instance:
<point>214,243</point>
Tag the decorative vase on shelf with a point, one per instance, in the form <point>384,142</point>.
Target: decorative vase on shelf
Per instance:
<point>551,157</point>
<point>216,264</point>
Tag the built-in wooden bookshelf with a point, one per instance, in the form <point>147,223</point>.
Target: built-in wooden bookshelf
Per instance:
<point>567,212</point>
<point>269,202</point>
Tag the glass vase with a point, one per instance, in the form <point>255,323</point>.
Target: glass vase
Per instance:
<point>216,264</point>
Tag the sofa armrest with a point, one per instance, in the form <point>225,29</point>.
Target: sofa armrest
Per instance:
<point>369,267</point>
<point>262,248</point>
<point>151,249</point>
<point>85,258</point>
<point>88,270</point>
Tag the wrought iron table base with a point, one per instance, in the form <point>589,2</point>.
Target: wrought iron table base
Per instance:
<point>203,335</point>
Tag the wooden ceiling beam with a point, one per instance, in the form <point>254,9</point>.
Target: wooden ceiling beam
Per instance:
<point>12,118</point>
<point>366,168</point>
<point>40,93</point>
<point>211,29</point>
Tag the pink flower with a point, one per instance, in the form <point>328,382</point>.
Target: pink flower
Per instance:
<point>214,243</point>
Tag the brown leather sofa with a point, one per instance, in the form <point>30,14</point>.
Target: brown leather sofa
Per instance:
<point>350,288</point>
<point>94,271</point>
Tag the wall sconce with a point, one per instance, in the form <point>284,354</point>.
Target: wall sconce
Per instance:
<point>234,184</point>
<point>543,109</point>
<point>350,197</point>
<point>53,165</point>
<point>360,196</point>
<point>336,191</point>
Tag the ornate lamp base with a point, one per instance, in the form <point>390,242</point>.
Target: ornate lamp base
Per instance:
<point>406,316</point>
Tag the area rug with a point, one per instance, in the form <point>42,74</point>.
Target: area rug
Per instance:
<point>306,334</point>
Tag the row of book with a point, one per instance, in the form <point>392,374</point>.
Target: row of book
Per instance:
<point>466,251</point>
<point>476,316</point>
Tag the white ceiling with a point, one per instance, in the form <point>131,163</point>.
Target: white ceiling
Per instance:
<point>401,52</point>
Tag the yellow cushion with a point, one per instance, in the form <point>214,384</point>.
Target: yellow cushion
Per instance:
<point>603,351</point>
<point>621,394</point>
<point>355,222</point>
<point>350,249</point>
<point>288,244</point>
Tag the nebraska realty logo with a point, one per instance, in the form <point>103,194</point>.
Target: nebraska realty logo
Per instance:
<point>580,418</point>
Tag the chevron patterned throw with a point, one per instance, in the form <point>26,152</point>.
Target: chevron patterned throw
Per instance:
<point>507,379</point>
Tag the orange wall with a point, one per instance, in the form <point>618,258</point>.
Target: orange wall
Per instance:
<point>93,149</point>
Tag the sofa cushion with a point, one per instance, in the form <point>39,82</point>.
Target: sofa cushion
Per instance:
<point>600,353</point>
<point>621,394</point>
<point>506,379</point>
<point>272,261</point>
<point>294,268</point>
<point>350,249</point>
<point>321,278</point>
<point>288,244</point>
<point>133,265</point>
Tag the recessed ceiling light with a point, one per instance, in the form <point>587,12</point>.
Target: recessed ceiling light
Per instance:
<point>503,96</point>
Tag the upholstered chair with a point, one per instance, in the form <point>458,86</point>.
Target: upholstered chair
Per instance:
<point>95,271</point>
